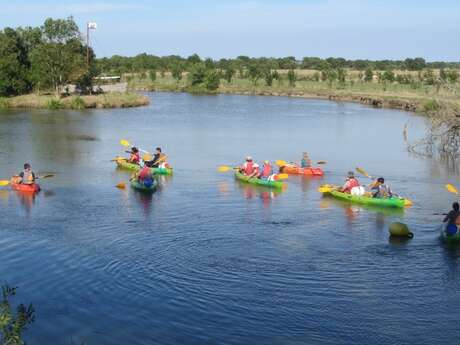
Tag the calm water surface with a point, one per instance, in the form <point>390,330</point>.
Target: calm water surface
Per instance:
<point>207,260</point>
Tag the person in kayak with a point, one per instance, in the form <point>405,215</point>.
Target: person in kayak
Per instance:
<point>350,183</point>
<point>250,168</point>
<point>27,176</point>
<point>453,214</point>
<point>145,176</point>
<point>380,190</point>
<point>134,156</point>
<point>305,161</point>
<point>159,159</point>
<point>267,171</point>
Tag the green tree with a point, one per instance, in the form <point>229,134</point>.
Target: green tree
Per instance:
<point>255,72</point>
<point>341,75</point>
<point>388,76</point>
<point>452,76</point>
<point>197,74</point>
<point>61,58</point>
<point>212,80</point>
<point>14,64</point>
<point>292,77</point>
<point>269,77</point>
<point>153,75</point>
<point>229,72</point>
<point>368,75</point>
<point>176,71</point>
<point>13,324</point>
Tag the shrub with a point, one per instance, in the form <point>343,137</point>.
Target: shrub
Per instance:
<point>77,103</point>
<point>431,105</point>
<point>3,103</point>
<point>13,324</point>
<point>54,104</point>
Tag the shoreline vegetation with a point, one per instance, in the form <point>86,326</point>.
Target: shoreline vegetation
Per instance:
<point>76,102</point>
<point>427,100</point>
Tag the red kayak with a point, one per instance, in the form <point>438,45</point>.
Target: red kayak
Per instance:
<point>26,188</point>
<point>295,170</point>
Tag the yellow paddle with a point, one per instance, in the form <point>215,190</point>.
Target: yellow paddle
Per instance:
<point>363,172</point>
<point>451,188</point>
<point>281,176</point>
<point>225,168</point>
<point>126,143</point>
<point>4,183</point>
<point>121,185</point>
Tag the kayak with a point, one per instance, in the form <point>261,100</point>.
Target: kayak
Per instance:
<point>143,188</point>
<point>449,238</point>
<point>25,188</point>
<point>124,164</point>
<point>295,170</point>
<point>365,200</point>
<point>258,182</point>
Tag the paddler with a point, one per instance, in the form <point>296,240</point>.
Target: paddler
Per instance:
<point>267,171</point>
<point>27,176</point>
<point>379,189</point>
<point>350,183</point>
<point>159,159</point>
<point>250,168</point>
<point>453,214</point>
<point>305,162</point>
<point>145,176</point>
<point>134,156</point>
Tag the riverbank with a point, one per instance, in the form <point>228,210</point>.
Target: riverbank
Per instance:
<point>106,100</point>
<point>393,96</point>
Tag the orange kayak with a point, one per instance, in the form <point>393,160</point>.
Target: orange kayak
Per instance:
<point>26,188</point>
<point>294,170</point>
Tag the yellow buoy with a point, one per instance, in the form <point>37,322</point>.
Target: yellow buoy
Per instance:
<point>400,230</point>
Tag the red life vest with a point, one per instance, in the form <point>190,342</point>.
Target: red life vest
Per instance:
<point>135,158</point>
<point>144,173</point>
<point>351,183</point>
<point>266,170</point>
<point>248,168</point>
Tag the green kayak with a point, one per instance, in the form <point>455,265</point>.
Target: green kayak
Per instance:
<point>365,200</point>
<point>258,182</point>
<point>143,188</point>
<point>445,237</point>
<point>124,164</point>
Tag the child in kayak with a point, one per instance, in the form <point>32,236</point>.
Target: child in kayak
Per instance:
<point>453,214</point>
<point>250,168</point>
<point>27,176</point>
<point>306,161</point>
<point>145,176</point>
<point>267,171</point>
<point>351,182</point>
<point>134,156</point>
<point>380,190</point>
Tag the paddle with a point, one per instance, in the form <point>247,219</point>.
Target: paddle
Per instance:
<point>282,163</point>
<point>451,188</point>
<point>7,182</point>
<point>126,143</point>
<point>363,172</point>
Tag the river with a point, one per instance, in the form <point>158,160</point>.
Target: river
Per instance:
<point>208,260</point>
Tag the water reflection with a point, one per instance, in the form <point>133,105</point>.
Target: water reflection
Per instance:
<point>27,200</point>
<point>266,194</point>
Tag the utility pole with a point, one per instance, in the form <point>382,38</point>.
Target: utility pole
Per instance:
<point>87,44</point>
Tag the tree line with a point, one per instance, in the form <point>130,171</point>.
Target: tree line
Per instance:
<point>47,57</point>
<point>145,62</point>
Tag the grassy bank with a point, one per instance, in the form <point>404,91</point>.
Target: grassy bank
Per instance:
<point>423,98</point>
<point>107,100</point>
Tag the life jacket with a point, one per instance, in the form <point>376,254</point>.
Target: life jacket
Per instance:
<point>350,184</point>
<point>135,158</point>
<point>266,171</point>
<point>382,191</point>
<point>144,173</point>
<point>249,168</point>
<point>28,177</point>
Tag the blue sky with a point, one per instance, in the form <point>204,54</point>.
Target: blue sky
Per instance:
<point>373,29</point>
